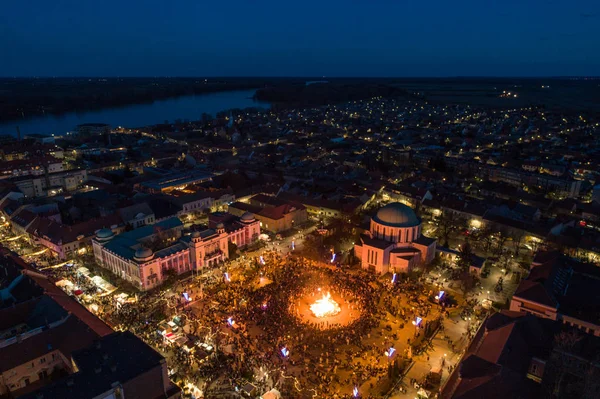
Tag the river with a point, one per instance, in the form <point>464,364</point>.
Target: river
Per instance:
<point>137,115</point>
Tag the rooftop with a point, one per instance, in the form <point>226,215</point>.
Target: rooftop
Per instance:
<point>125,244</point>
<point>119,357</point>
<point>396,214</point>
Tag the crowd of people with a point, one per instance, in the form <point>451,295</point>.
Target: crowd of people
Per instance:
<point>252,319</point>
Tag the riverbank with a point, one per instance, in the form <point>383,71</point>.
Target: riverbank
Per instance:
<point>25,98</point>
<point>138,115</point>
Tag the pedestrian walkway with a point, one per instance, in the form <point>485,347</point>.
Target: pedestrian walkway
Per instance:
<point>443,354</point>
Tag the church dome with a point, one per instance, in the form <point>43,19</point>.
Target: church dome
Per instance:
<point>143,254</point>
<point>220,226</point>
<point>396,215</point>
<point>247,217</point>
<point>104,234</point>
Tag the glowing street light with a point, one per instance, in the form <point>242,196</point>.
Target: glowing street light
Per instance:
<point>394,278</point>
<point>230,321</point>
<point>293,245</point>
<point>355,392</point>
<point>390,352</point>
<point>417,323</point>
<point>439,296</point>
<point>332,258</point>
<point>262,260</point>
<point>285,352</point>
<point>227,278</point>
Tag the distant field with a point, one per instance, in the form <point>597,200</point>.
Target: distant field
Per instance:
<point>563,94</point>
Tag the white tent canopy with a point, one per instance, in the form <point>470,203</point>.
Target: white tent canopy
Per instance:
<point>272,394</point>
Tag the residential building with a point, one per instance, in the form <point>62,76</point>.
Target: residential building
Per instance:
<point>51,183</point>
<point>275,215</point>
<point>174,181</point>
<point>560,288</point>
<point>40,328</point>
<point>137,215</point>
<point>107,369</point>
<point>519,355</point>
<point>65,240</point>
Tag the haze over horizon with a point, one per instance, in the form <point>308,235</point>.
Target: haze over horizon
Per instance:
<point>67,38</point>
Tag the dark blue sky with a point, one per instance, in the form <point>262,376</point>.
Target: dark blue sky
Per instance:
<point>299,38</point>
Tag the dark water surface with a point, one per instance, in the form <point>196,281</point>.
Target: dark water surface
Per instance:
<point>137,115</point>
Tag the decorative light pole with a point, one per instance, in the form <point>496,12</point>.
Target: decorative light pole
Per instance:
<point>417,323</point>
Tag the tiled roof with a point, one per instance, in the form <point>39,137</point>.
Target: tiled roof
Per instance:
<point>126,243</point>
<point>62,233</point>
<point>130,212</point>
<point>121,357</point>
<point>374,242</point>
<point>426,241</point>
<point>72,334</point>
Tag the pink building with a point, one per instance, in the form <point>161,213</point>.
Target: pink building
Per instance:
<point>394,243</point>
<point>129,255</point>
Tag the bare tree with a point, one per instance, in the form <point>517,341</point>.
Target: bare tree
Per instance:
<point>517,236</point>
<point>447,223</point>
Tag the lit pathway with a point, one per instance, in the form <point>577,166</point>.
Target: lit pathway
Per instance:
<point>453,331</point>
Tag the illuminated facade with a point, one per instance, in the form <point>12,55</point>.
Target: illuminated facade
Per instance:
<point>128,255</point>
<point>394,242</point>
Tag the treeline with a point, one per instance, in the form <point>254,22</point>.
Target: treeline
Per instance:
<point>27,98</point>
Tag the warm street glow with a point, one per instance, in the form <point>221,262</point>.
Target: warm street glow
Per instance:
<point>325,306</point>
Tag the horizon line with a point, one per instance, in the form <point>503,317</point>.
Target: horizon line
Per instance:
<point>309,77</point>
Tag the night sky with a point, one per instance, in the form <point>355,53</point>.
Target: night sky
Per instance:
<point>299,38</point>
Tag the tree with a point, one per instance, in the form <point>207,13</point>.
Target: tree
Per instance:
<point>487,239</point>
<point>501,240</point>
<point>465,258</point>
<point>517,237</point>
<point>447,223</point>
<point>558,377</point>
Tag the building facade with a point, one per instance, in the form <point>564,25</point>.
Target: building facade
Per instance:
<point>129,255</point>
<point>394,242</point>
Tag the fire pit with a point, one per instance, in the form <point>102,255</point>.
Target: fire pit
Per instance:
<point>325,307</point>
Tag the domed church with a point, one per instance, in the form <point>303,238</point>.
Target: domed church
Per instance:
<point>394,242</point>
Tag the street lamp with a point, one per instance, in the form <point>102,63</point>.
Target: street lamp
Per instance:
<point>439,296</point>
<point>355,392</point>
<point>390,352</point>
<point>417,323</point>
